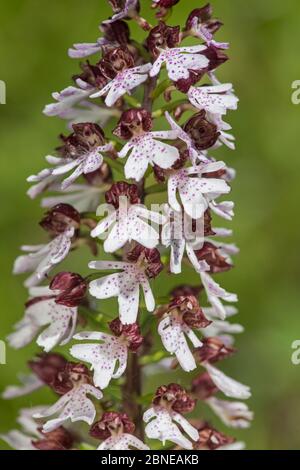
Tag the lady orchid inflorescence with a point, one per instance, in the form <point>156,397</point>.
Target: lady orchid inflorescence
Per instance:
<point>134,181</point>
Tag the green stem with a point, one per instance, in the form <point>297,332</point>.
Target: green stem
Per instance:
<point>133,102</point>
<point>168,107</point>
<point>161,87</point>
<point>115,165</point>
<point>156,189</point>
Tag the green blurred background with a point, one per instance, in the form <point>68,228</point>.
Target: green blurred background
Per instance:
<point>34,38</point>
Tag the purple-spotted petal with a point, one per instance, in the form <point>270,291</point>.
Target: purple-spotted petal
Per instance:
<point>108,359</point>
<point>74,406</point>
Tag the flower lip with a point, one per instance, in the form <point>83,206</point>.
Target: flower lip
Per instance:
<point>213,350</point>
<point>47,366</point>
<point>133,122</point>
<point>122,188</point>
<point>162,37</point>
<point>116,61</point>
<point>59,439</point>
<point>61,217</point>
<point>204,16</point>
<point>130,333</point>
<point>190,310</point>
<point>118,31</point>
<point>203,387</point>
<point>72,288</point>
<point>87,136</point>
<point>112,423</point>
<point>211,439</point>
<point>203,133</point>
<point>148,258</point>
<point>211,254</point>
<point>174,397</point>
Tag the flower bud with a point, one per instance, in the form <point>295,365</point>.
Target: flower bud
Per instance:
<point>119,5</point>
<point>115,61</point>
<point>59,439</point>
<point>133,122</point>
<point>71,376</point>
<point>203,387</point>
<point>92,75</point>
<point>47,366</point>
<point>165,3</point>
<point>72,288</point>
<point>204,17</point>
<point>211,439</point>
<point>203,133</point>
<point>184,84</point>
<point>122,188</point>
<point>148,258</point>
<point>190,310</point>
<point>60,218</point>
<point>162,37</point>
<point>175,397</point>
<point>130,333</point>
<point>186,290</point>
<point>87,136</point>
<point>215,56</point>
<point>111,424</point>
<point>208,231</point>
<point>213,350</point>
<point>118,31</point>
<point>211,254</point>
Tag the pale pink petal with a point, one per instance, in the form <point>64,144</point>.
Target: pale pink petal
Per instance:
<point>172,188</point>
<point>157,65</point>
<point>173,339</point>
<point>117,238</point>
<point>65,100</point>
<point>100,265</point>
<point>223,209</point>
<point>233,414</point>
<point>164,155</point>
<point>177,252</point>
<point>104,225</point>
<point>148,294</point>
<point>161,427</point>
<point>66,167</point>
<point>179,66</point>
<point>128,299</point>
<point>18,441</point>
<point>230,387</point>
<point>106,287</point>
<point>143,233</point>
<point>108,358</point>
<point>81,50</point>
<point>211,99</point>
<point>186,426</point>
<point>29,383</point>
<point>74,406</point>
<point>136,165</point>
